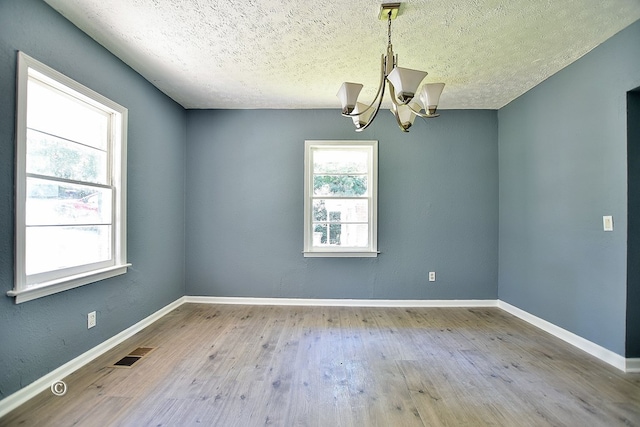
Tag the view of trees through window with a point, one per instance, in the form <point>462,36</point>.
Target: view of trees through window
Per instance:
<point>340,190</point>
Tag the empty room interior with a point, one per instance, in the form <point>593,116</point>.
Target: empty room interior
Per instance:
<point>196,230</point>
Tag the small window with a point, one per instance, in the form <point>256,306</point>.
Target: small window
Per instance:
<point>70,184</point>
<point>340,192</point>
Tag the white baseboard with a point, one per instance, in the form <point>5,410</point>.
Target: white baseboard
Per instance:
<point>341,302</point>
<point>632,366</point>
<point>593,349</point>
<point>21,396</point>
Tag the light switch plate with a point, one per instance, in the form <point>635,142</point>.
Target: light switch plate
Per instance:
<point>607,223</point>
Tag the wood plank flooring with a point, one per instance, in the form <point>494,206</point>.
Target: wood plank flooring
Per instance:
<point>228,365</point>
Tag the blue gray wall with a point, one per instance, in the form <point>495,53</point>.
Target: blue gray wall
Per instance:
<point>563,157</point>
<point>438,207</point>
<point>633,244</point>
<point>39,336</point>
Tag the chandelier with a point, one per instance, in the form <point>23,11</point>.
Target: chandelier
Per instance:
<point>403,85</point>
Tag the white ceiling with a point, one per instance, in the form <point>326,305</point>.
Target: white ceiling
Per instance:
<point>296,53</point>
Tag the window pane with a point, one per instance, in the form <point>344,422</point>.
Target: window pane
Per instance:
<point>51,111</point>
<point>57,203</point>
<point>354,235</point>
<point>345,210</point>
<point>340,185</point>
<point>335,231</point>
<point>48,155</point>
<point>319,210</point>
<point>319,234</point>
<point>55,248</point>
<point>346,235</point>
<point>340,161</point>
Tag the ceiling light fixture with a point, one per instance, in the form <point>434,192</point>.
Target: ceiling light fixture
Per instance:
<point>403,86</point>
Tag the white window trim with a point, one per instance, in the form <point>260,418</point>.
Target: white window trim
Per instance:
<point>309,250</point>
<point>22,292</point>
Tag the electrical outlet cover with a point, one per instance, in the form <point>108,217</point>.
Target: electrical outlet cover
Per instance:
<point>91,320</point>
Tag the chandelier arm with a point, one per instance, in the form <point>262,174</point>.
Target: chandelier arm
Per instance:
<point>392,92</point>
<point>375,113</point>
<point>378,93</point>
<point>396,105</point>
<point>423,115</point>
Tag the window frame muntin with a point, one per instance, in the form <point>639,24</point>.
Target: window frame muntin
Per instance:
<point>28,67</point>
<point>311,251</point>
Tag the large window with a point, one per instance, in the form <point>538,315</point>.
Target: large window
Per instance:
<point>340,192</point>
<point>70,184</point>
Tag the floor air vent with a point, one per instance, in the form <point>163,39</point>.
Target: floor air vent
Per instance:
<point>133,357</point>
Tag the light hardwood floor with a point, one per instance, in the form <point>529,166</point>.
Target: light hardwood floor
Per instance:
<point>218,365</point>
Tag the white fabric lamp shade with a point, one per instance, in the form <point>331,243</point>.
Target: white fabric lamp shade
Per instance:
<point>405,81</point>
<point>348,95</point>
<point>430,97</point>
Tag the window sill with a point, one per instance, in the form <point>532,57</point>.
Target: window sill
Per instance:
<point>48,288</point>
<point>340,254</point>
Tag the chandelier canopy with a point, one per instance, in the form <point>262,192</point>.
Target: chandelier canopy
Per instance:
<point>403,86</point>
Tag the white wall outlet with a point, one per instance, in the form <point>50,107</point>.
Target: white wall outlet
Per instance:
<point>91,320</point>
<point>432,276</point>
<point>607,223</point>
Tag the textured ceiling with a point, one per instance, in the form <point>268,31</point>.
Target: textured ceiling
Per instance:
<point>296,53</point>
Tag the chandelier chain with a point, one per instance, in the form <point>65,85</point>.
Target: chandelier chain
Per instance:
<point>389,28</point>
